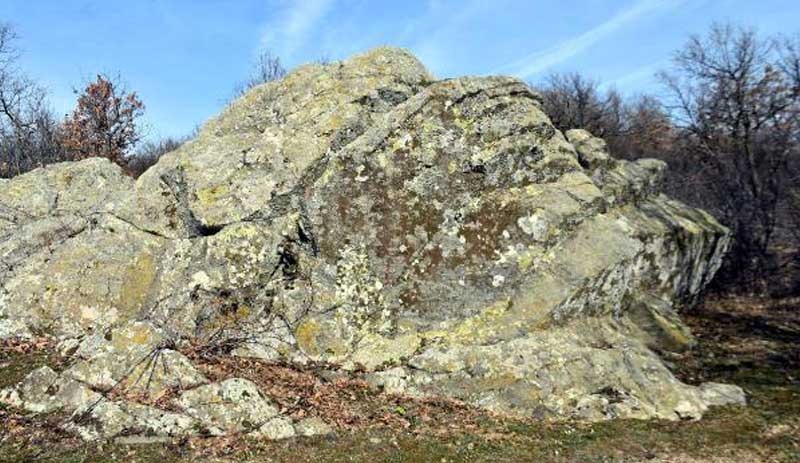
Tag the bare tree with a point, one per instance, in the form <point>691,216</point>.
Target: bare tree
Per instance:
<point>789,49</point>
<point>790,64</point>
<point>150,152</point>
<point>632,128</point>
<point>647,130</point>
<point>730,131</point>
<point>30,135</point>
<point>574,101</point>
<point>737,107</point>
<point>267,68</point>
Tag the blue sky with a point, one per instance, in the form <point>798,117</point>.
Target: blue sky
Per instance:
<point>184,56</point>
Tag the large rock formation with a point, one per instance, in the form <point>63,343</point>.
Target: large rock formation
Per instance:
<point>441,234</point>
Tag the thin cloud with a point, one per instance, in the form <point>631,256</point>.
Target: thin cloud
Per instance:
<point>295,26</point>
<point>639,75</point>
<point>542,60</point>
<point>433,47</point>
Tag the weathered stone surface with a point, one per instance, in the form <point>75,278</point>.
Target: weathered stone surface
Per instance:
<point>106,419</point>
<point>41,264</point>
<point>232,405</point>
<point>441,234</point>
<point>260,149</point>
<point>662,328</point>
<point>276,428</point>
<point>312,427</point>
<point>14,328</point>
<point>61,190</point>
<point>132,359</point>
<point>392,381</point>
<point>592,151</point>
<point>44,391</point>
<point>717,394</point>
<point>605,373</point>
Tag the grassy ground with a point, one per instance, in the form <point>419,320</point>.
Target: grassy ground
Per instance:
<point>750,342</point>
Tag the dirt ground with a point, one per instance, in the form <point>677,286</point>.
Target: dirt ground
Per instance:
<point>752,342</point>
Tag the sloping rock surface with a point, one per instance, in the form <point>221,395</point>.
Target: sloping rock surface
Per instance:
<point>441,234</point>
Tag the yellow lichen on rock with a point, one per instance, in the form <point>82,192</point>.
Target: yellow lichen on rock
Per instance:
<point>137,281</point>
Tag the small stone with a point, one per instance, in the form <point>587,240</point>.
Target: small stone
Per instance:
<point>101,420</point>
<point>592,151</point>
<point>393,380</point>
<point>10,396</point>
<point>277,428</point>
<point>234,404</point>
<point>74,395</point>
<point>142,440</point>
<point>160,422</point>
<point>312,427</point>
<point>33,393</point>
<point>592,407</point>
<point>717,394</point>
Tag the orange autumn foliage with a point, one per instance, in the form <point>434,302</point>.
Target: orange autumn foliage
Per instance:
<point>103,123</point>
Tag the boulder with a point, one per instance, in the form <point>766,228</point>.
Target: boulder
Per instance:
<point>44,391</point>
<point>443,235</point>
<point>276,428</point>
<point>51,280</point>
<point>132,359</point>
<point>232,405</point>
<point>107,419</point>
<point>312,427</point>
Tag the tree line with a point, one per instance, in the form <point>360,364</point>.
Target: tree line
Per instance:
<point>729,128</point>
<point>104,123</point>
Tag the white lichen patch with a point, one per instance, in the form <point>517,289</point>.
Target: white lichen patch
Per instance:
<point>202,280</point>
<point>498,280</point>
<point>359,174</point>
<point>536,225</point>
<point>359,294</point>
<point>245,252</point>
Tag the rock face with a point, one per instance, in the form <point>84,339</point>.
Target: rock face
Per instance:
<point>441,234</point>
